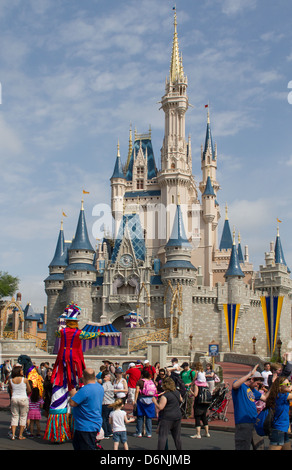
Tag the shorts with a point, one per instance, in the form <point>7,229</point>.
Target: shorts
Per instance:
<point>120,436</point>
<point>278,438</point>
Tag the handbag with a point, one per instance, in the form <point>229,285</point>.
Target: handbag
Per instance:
<point>264,422</point>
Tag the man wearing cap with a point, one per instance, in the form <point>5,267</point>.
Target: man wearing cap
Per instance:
<point>132,375</point>
<point>150,369</point>
<point>244,396</point>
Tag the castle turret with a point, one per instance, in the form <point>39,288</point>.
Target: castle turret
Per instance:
<point>54,284</point>
<point>118,188</point>
<point>81,272</point>
<point>226,238</point>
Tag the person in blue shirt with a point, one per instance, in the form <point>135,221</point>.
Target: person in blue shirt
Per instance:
<point>244,396</point>
<point>279,398</point>
<point>86,405</point>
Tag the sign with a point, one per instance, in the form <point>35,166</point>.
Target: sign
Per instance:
<point>213,349</point>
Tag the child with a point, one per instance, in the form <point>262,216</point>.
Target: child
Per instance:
<point>118,419</point>
<point>34,413</point>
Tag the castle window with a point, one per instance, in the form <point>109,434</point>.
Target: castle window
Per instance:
<point>140,184</point>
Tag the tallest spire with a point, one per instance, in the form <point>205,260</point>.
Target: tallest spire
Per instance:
<point>176,66</point>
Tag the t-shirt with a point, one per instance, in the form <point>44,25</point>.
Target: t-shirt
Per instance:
<point>109,394</point>
<point>244,398</point>
<point>281,417</point>
<point>187,376</point>
<point>87,414</point>
<point>134,376</point>
<point>118,420</point>
<point>265,375</point>
<point>151,371</point>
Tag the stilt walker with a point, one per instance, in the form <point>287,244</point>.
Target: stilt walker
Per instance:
<point>66,375</point>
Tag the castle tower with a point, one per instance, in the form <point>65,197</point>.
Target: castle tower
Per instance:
<point>80,272</point>
<point>118,187</point>
<point>54,284</point>
<point>175,177</point>
<point>234,276</point>
<point>180,273</point>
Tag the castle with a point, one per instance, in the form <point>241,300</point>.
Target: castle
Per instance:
<point>165,262</point>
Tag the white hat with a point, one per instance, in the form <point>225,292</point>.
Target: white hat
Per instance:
<point>146,362</point>
<point>132,364</point>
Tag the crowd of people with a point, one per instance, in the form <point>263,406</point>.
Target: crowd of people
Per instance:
<point>152,392</point>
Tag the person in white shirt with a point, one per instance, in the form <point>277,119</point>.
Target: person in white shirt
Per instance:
<point>118,419</point>
<point>266,372</point>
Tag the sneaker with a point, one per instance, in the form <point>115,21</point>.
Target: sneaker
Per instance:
<point>195,436</point>
<point>137,435</point>
<point>149,435</point>
<point>208,435</point>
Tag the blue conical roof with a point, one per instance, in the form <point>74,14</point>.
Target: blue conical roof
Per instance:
<point>234,268</point>
<point>81,240</point>
<point>240,254</point>
<point>226,239</point>
<point>60,256</point>
<point>147,149</point>
<point>209,142</point>
<point>279,253</point>
<point>178,235</point>
<point>209,190</point>
<point>118,170</point>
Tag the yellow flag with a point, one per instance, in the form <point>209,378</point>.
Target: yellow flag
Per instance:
<point>279,221</point>
<point>64,214</point>
<point>85,192</point>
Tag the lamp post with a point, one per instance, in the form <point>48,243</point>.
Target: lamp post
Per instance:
<point>254,340</point>
<point>279,345</point>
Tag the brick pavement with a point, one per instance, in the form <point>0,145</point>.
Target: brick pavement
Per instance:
<point>230,373</point>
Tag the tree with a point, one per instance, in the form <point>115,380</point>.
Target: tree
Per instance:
<point>8,284</point>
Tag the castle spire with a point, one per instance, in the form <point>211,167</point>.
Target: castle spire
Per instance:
<point>81,240</point>
<point>60,252</point>
<point>226,239</point>
<point>234,269</point>
<point>176,66</point>
<point>279,253</point>
<point>118,170</point>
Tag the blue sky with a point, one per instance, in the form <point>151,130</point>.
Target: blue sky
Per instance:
<point>74,76</point>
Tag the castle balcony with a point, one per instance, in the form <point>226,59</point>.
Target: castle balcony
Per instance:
<point>123,299</point>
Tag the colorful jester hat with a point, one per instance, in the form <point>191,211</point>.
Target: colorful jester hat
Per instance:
<point>71,312</point>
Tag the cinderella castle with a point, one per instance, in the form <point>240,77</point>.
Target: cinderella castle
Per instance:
<point>165,273</point>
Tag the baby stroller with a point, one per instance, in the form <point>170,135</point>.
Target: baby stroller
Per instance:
<point>183,406</point>
<point>220,401</point>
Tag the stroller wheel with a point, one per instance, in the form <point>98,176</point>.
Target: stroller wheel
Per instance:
<point>226,419</point>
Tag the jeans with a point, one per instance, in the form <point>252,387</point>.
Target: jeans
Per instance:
<point>243,436</point>
<point>148,425</point>
<point>105,420</point>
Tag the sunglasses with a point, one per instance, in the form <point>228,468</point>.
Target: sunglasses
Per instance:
<point>287,384</point>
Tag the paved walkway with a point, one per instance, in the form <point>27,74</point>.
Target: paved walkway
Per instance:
<point>230,373</point>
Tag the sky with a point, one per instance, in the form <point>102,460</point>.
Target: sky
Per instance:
<point>74,76</point>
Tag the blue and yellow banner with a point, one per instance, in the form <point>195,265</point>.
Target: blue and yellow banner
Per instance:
<point>272,314</point>
<point>231,312</point>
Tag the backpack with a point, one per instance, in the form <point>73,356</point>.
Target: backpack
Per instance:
<point>179,384</point>
<point>264,421</point>
<point>204,396</point>
<point>149,388</point>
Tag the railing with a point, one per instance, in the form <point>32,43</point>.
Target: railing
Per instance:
<point>40,343</point>
<point>140,342</point>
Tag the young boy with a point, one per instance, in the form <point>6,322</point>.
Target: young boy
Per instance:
<point>118,419</point>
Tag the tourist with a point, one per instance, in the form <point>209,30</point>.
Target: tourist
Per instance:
<point>244,395</point>
<point>86,405</point>
<point>118,367</point>
<point>48,387</point>
<point>150,369</point>
<point>34,414</point>
<point>276,369</point>
<point>99,375</point>
<point>108,399</point>
<point>118,420</point>
<point>132,375</point>
<point>187,375</point>
<point>120,386</point>
<point>175,367</point>
<point>266,372</point>
<point>279,398</point>
<point>200,405</point>
<point>210,377</point>
<point>20,388</point>
<point>7,371</point>
<point>169,414</point>
<point>159,379</point>
<point>145,408</point>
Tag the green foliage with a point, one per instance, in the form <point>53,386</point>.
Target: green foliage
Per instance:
<point>8,284</point>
